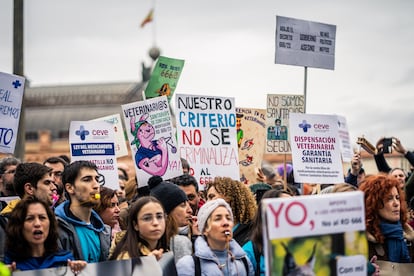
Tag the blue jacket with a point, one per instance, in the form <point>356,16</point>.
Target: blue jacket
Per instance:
<point>209,263</point>
<point>248,248</point>
<point>68,238</point>
<point>55,260</point>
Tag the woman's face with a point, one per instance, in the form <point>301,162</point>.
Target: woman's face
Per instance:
<point>110,215</point>
<point>182,214</point>
<point>400,175</point>
<point>36,225</point>
<point>150,222</point>
<point>213,194</point>
<point>391,210</point>
<point>218,224</point>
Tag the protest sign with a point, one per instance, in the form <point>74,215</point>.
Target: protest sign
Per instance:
<point>316,154</point>
<point>250,129</point>
<point>11,95</point>
<point>120,145</point>
<point>305,43</point>
<point>94,141</point>
<point>206,131</point>
<point>151,136</point>
<point>344,140</point>
<point>145,265</point>
<point>277,121</point>
<point>315,235</point>
<point>164,78</point>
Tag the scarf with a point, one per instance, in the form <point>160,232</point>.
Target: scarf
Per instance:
<point>394,240</point>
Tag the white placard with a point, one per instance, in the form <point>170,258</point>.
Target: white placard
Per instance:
<point>11,95</point>
<point>305,43</point>
<point>152,139</point>
<point>120,145</point>
<point>316,151</point>
<point>94,141</point>
<point>206,131</point>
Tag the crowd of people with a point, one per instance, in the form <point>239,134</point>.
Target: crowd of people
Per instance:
<point>60,213</point>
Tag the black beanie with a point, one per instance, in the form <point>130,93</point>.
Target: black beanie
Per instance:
<point>168,193</point>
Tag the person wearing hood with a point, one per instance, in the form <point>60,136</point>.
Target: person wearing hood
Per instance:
<point>81,230</point>
<point>215,252</point>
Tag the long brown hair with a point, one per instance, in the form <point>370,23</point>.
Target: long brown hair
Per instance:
<point>376,188</point>
<point>132,239</point>
<point>16,244</point>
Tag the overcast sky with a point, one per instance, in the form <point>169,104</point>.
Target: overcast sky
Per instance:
<point>228,48</point>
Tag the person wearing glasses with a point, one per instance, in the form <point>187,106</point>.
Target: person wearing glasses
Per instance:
<point>81,230</point>
<point>57,165</point>
<point>145,234</point>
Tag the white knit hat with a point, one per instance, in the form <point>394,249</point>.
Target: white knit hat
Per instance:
<point>208,208</point>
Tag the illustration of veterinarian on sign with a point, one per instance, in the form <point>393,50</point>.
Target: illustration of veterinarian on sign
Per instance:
<point>152,140</point>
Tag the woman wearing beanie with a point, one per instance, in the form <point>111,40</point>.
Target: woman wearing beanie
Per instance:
<point>178,212</point>
<point>242,202</point>
<point>216,253</point>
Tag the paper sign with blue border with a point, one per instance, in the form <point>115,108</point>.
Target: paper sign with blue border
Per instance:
<point>94,141</point>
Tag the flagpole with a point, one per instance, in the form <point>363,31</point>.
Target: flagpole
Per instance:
<point>154,29</point>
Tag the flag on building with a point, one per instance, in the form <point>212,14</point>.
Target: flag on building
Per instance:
<point>148,18</point>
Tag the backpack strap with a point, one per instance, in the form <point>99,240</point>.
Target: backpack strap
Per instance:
<point>197,267</point>
<point>246,264</point>
<point>257,258</point>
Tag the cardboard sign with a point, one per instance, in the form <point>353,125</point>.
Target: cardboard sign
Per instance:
<point>94,141</point>
<point>11,95</point>
<point>206,131</point>
<point>305,43</point>
<point>315,235</point>
<point>250,129</point>
<point>151,136</point>
<point>164,78</point>
<point>316,151</point>
<point>277,121</point>
<point>120,145</point>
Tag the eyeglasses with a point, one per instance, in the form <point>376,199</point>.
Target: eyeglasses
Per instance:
<point>150,218</point>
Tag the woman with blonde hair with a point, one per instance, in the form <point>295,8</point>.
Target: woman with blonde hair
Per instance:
<point>241,200</point>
